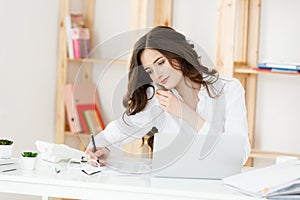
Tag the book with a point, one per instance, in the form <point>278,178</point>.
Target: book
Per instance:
<point>277,70</point>
<point>280,181</point>
<point>81,108</point>
<point>84,40</point>
<point>80,38</point>
<point>68,24</point>
<point>279,67</point>
<point>92,121</point>
<point>285,70</point>
<point>75,37</point>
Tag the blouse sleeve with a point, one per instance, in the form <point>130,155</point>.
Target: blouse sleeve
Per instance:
<point>128,128</point>
<point>235,114</point>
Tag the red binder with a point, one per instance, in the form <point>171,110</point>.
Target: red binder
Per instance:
<point>81,108</point>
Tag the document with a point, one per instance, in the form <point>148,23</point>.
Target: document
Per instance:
<point>281,181</point>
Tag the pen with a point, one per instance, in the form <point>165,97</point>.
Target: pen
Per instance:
<point>94,145</point>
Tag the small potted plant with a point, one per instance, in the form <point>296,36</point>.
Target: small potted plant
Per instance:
<point>28,160</point>
<point>6,147</point>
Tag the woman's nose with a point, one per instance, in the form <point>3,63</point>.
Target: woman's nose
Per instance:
<point>157,73</point>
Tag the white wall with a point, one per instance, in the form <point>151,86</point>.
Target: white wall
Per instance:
<point>197,19</point>
<point>28,54</point>
<point>278,108</point>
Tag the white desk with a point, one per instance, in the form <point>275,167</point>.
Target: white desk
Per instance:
<point>74,184</point>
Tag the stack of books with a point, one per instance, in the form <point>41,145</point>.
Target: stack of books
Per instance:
<point>279,67</point>
<point>78,36</point>
<point>9,164</point>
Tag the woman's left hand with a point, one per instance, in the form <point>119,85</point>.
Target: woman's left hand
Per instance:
<point>170,103</point>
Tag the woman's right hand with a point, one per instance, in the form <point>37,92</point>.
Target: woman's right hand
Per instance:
<point>100,155</point>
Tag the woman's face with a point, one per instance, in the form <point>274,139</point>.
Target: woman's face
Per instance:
<point>159,69</point>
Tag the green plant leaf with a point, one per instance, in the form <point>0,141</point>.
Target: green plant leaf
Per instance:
<point>5,142</point>
<point>29,154</point>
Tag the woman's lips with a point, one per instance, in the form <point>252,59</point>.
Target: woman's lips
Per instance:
<point>164,81</point>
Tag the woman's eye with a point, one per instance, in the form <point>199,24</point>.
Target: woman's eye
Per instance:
<point>161,62</point>
<point>148,71</point>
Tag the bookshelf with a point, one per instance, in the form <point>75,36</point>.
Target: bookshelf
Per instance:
<point>237,56</point>
<point>141,11</point>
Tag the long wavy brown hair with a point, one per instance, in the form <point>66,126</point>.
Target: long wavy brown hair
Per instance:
<point>180,54</point>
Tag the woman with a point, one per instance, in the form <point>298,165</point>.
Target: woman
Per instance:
<point>193,95</point>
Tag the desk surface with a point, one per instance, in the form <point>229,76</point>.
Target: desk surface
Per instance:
<point>72,183</point>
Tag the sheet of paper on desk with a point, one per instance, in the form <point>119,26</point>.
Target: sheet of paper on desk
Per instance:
<point>281,181</point>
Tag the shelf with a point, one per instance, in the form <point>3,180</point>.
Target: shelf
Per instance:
<point>102,60</point>
<point>67,133</point>
<point>245,71</point>
<point>255,153</point>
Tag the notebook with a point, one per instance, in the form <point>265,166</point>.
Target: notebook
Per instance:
<point>197,156</point>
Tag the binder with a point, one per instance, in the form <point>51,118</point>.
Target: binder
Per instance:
<point>70,104</point>
<point>81,94</point>
<point>281,181</point>
<point>81,109</point>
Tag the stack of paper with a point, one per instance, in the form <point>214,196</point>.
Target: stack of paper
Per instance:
<point>281,181</point>
<point>9,164</point>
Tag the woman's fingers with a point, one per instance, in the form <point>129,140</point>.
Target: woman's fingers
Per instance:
<point>102,153</point>
<point>100,156</point>
<point>165,98</point>
<point>163,93</point>
<point>102,163</point>
<point>91,154</point>
<point>169,102</point>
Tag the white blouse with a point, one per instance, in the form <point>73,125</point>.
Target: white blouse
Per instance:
<point>229,105</point>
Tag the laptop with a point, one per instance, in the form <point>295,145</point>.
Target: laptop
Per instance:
<point>197,156</point>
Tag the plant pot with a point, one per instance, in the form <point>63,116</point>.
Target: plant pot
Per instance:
<point>6,151</point>
<point>28,162</point>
